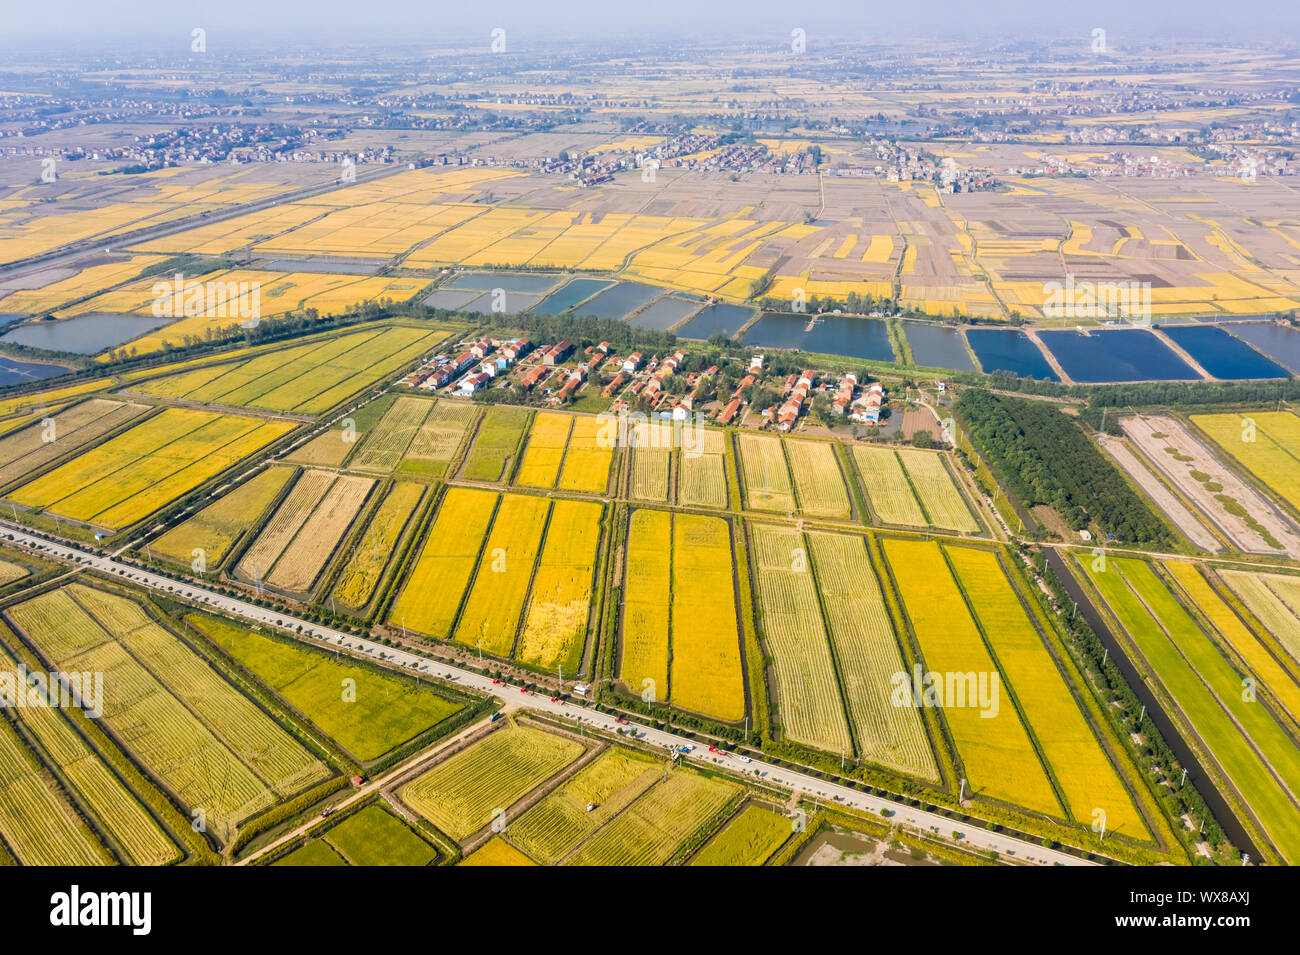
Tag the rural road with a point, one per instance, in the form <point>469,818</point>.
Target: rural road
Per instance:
<point>972,835</point>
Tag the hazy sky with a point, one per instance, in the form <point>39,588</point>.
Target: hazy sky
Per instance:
<point>439,20</point>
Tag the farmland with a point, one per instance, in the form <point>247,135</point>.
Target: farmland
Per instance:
<point>766,476</point>
<point>416,437</point>
<point>652,453</point>
<point>1274,599</point>
<point>78,426</point>
<point>140,471</point>
<point>749,838</point>
<point>461,793</point>
<point>555,626</point>
<point>306,379</point>
<point>545,450</point>
<point>1265,443</point>
<point>818,479</point>
<point>646,626</point>
<point>206,741</point>
<point>378,541</point>
<point>702,470</point>
<point>937,491</point>
<point>304,531</point>
<point>587,458</point>
<point>999,758</point>
<point>385,711</point>
<point>373,836</point>
<point>215,529</point>
<point>912,488</point>
<point>1253,750</point>
<point>886,486</point>
<point>496,445</point>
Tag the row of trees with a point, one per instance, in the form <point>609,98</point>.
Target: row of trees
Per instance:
<point>1044,457</point>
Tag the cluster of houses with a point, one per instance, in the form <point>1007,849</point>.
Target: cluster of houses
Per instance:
<point>472,368</point>
<point>793,397</point>
<point>863,408</point>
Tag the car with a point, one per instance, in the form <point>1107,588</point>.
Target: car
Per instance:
<point>744,759</point>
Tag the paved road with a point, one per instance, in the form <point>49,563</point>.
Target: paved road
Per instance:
<point>827,792</point>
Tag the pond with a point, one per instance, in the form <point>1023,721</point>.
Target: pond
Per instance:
<point>619,300</point>
<point>1116,354</point>
<point>84,335</point>
<point>565,298</point>
<point>1009,349</point>
<point>13,371</point>
<point>663,314</point>
<point>1222,355</point>
<point>831,335</point>
<point>510,281</point>
<point>1279,342</point>
<point>938,346</point>
<point>335,268</point>
<point>716,319</point>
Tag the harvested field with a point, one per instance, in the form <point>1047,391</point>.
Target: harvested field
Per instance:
<point>702,470</point>
<point>1168,503</point>
<point>307,492</point>
<point>385,445</point>
<point>438,439</point>
<point>215,529</point>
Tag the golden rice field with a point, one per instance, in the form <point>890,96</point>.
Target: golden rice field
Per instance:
<point>867,655</point>
<point>587,458</point>
<point>216,528</point>
<point>751,837</point>
<point>430,598</point>
<point>490,617</point>
<point>207,742</point>
<point>647,597</point>
<point>545,449</point>
<point>307,379</point>
<point>652,829</point>
<point>376,545</point>
<point>1273,457</point>
<point>558,824</point>
<point>29,449</point>
<point>766,476</point>
<point>702,470</point>
<point>43,399</point>
<point>707,673</point>
<point>1068,741</point>
<point>87,281</point>
<point>116,809</point>
<point>937,491</point>
<point>495,853</point>
<point>819,483</point>
<point>650,474</point>
<point>885,483</point>
<point>463,793</point>
<point>996,752</point>
<point>559,604</point>
<point>1256,653</point>
<point>807,693</point>
<point>129,477</point>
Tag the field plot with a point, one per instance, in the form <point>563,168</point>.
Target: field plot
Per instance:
<point>867,655</point>
<point>652,829</point>
<point>304,531</point>
<point>385,445</point>
<point>1255,652</point>
<point>490,618</point>
<point>24,451</point>
<point>885,484</point>
<point>588,457</point>
<point>807,692</point>
<point>308,378</point>
<point>38,823</point>
<point>560,822</point>
<point>496,445</point>
<point>207,742</point>
<point>460,794</point>
<point>431,595</point>
<point>1241,512</point>
<point>495,853</point>
<point>749,838</point>
<point>438,439</point>
<point>647,599</point>
<point>1254,751</point>
<point>1274,599</point>
<point>1273,455</point>
<point>818,479</point>
<point>1168,503</point>
<point>545,449</point>
<point>937,491</point>
<point>374,836</point>
<point>707,672</point>
<point>652,452</point>
<point>702,470</point>
<point>766,476</point>
<point>370,555</point>
<point>559,604</point>
<point>999,758</point>
<point>131,476</point>
<point>1069,743</point>
<point>215,529</point>
<point>387,711</point>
